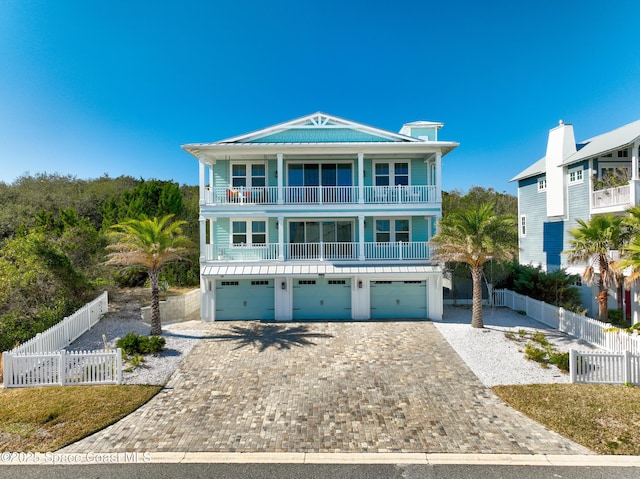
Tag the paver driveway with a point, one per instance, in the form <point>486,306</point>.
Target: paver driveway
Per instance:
<point>326,387</point>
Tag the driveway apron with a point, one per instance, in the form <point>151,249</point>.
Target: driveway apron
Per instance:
<point>326,387</point>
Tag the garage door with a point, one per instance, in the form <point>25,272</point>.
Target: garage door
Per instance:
<point>398,299</point>
<point>321,298</point>
<point>244,299</point>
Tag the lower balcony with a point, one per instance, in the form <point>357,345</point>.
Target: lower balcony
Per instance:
<point>341,251</point>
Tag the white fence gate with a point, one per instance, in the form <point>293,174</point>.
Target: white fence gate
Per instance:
<point>620,365</point>
<point>42,362</point>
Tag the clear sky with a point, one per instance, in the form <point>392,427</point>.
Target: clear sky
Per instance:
<point>116,86</point>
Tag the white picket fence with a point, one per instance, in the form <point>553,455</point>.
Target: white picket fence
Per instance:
<point>588,329</point>
<point>618,366</point>
<point>42,362</point>
<point>62,368</point>
<point>61,335</point>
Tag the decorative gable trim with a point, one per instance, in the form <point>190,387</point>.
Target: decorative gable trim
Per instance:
<point>329,128</point>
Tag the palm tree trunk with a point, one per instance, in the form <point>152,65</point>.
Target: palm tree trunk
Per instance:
<point>603,302</point>
<point>476,310</point>
<point>156,325</point>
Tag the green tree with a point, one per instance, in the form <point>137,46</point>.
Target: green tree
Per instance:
<point>474,236</point>
<point>592,244</point>
<point>149,244</point>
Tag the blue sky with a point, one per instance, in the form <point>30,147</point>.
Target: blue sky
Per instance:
<point>94,87</point>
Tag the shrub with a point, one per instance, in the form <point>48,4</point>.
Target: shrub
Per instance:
<point>534,353</point>
<point>133,343</point>
<point>540,338</point>
<point>616,317</point>
<point>561,360</point>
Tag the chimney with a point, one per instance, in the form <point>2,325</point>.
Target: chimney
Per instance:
<point>560,145</point>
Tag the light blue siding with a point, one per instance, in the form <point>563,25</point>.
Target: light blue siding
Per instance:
<point>419,229</point>
<point>418,172</point>
<point>577,206</point>
<point>429,133</point>
<point>321,135</point>
<point>532,204</point>
<point>221,174</point>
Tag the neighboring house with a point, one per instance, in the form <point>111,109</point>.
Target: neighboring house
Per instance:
<point>576,181</point>
<point>321,218</point>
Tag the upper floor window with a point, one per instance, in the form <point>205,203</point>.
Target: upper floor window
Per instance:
<point>391,173</point>
<point>523,225</point>
<point>576,176</point>
<point>392,230</point>
<point>623,153</point>
<point>542,184</point>
<point>248,175</point>
<point>249,232</point>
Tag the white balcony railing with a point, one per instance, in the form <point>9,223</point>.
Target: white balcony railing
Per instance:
<point>334,251</point>
<point>302,195</point>
<point>399,194</point>
<point>609,197</point>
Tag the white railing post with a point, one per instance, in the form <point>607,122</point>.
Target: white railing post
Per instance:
<point>573,365</point>
<point>627,367</point>
<point>118,366</point>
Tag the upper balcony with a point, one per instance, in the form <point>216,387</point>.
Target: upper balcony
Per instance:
<point>320,195</point>
<point>616,199</point>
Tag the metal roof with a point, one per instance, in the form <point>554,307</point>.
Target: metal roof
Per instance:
<point>314,270</point>
<point>610,141</point>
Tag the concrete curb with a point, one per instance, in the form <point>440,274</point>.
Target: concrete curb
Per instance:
<point>27,458</point>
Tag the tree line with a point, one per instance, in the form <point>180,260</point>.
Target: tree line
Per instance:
<point>53,238</point>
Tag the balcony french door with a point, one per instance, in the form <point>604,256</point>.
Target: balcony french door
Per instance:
<point>320,182</point>
<point>321,240</point>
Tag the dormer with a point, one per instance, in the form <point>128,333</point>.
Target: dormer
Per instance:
<point>422,130</point>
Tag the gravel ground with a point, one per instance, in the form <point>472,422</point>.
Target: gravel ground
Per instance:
<point>494,358</point>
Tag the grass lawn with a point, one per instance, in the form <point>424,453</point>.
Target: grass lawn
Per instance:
<point>604,418</point>
<point>47,418</point>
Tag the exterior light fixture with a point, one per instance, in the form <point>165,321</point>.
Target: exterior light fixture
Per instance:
<point>283,285</point>
<point>360,284</point>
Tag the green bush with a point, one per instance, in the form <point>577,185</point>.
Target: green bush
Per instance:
<point>540,338</point>
<point>561,360</point>
<point>132,344</point>
<point>616,317</point>
<point>534,353</point>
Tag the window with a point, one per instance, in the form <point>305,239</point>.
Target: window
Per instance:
<point>542,184</point>
<point>575,176</point>
<point>249,175</point>
<point>250,233</point>
<point>391,173</point>
<point>392,230</point>
<point>261,282</point>
<point>229,283</point>
<point>336,281</point>
<point>623,153</point>
<point>523,225</point>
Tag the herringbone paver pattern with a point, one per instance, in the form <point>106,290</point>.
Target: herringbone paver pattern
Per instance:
<point>326,387</point>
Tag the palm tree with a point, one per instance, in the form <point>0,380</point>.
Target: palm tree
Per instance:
<point>149,244</point>
<point>592,244</point>
<point>474,236</point>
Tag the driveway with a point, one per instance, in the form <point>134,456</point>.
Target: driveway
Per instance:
<point>326,387</point>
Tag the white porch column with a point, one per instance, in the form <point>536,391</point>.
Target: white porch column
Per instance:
<point>280,175</point>
<point>634,161</point>
<point>634,183</point>
<point>212,243</point>
<point>360,178</point>
<point>361,237</point>
<point>202,182</point>
<point>438,176</point>
<point>280,238</point>
<point>203,239</point>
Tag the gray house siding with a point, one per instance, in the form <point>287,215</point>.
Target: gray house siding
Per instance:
<point>532,204</point>
<point>577,204</point>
